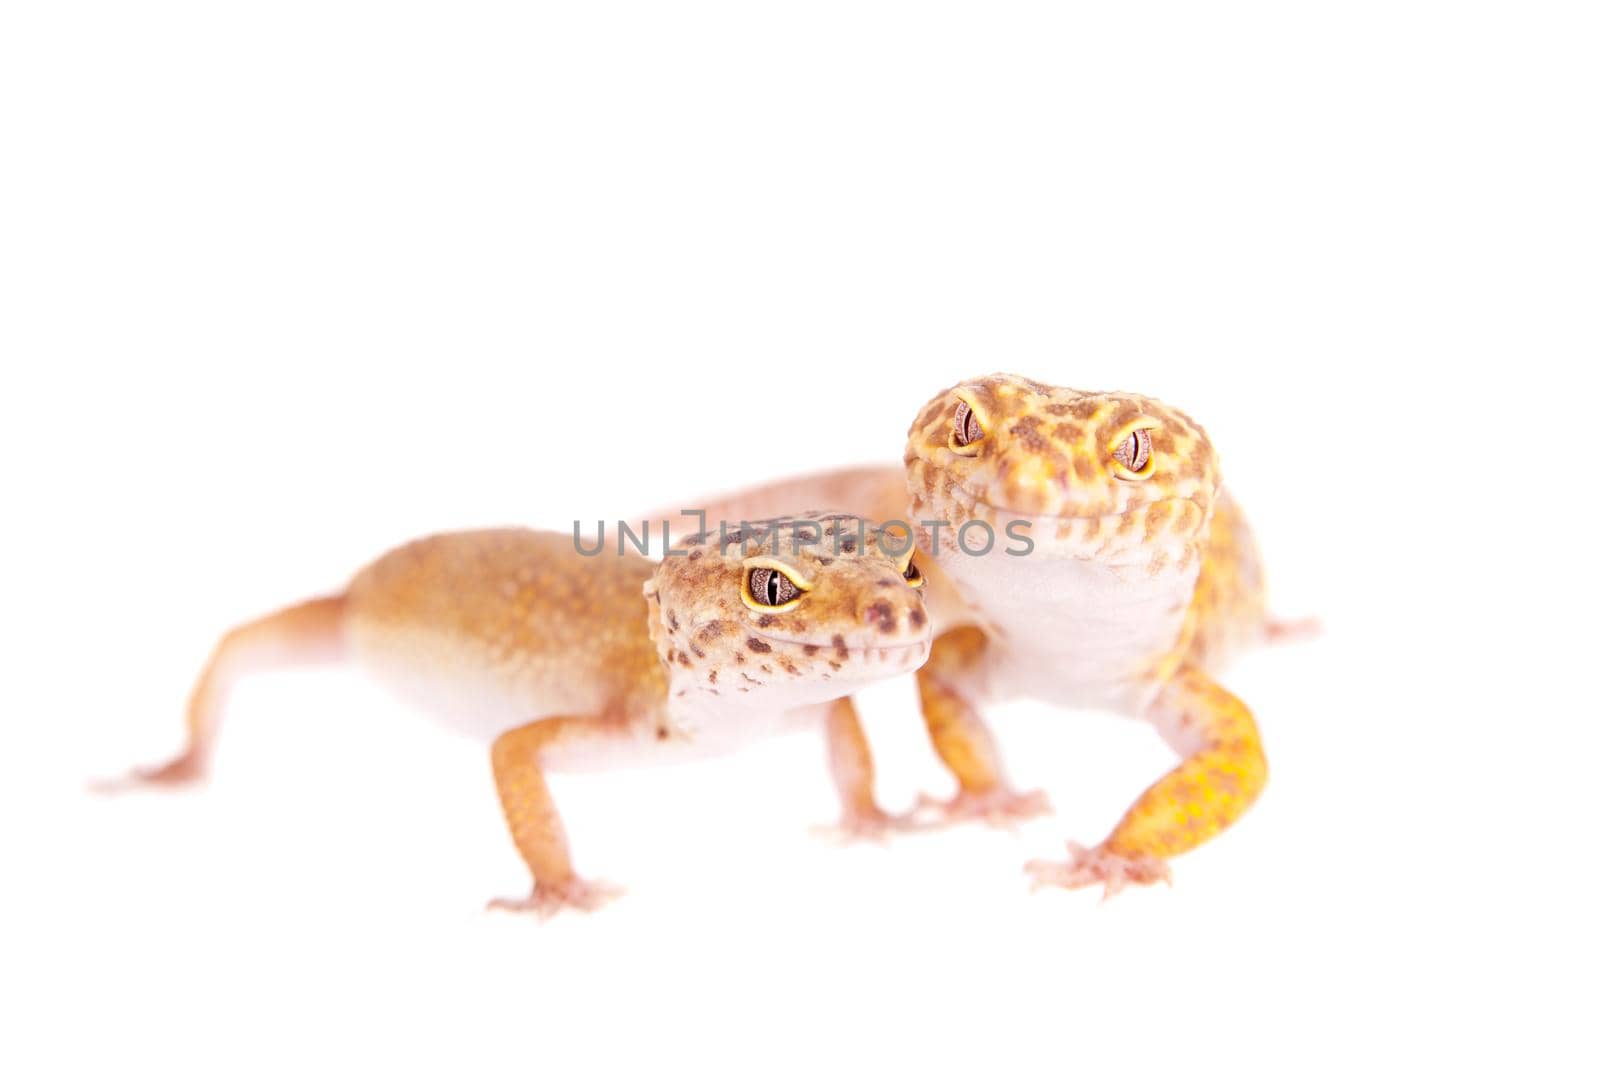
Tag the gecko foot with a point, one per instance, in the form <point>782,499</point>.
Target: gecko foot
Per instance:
<point>547,899</point>
<point>1098,866</point>
<point>999,806</point>
<point>873,825</point>
<point>187,769</point>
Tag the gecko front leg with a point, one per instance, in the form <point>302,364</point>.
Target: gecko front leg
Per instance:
<point>963,741</point>
<point>532,818</point>
<point>1223,771</point>
<point>850,761</point>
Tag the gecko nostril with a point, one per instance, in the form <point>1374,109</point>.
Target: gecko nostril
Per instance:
<point>880,614</point>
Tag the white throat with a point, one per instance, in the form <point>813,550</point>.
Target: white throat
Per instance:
<point>740,711</point>
<point>1073,632</point>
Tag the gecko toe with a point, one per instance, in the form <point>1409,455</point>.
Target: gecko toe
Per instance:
<point>999,807</point>
<point>874,826</point>
<point>546,900</point>
<point>1100,866</point>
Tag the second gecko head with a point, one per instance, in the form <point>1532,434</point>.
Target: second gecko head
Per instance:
<point>789,611</point>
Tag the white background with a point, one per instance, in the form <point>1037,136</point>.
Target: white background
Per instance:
<point>283,286</point>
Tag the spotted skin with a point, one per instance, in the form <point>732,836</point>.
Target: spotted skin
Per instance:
<point>570,661</point>
<point>1138,586</point>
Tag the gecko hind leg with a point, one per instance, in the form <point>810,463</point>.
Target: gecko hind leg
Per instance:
<point>1223,771</point>
<point>305,634</point>
<point>533,820</point>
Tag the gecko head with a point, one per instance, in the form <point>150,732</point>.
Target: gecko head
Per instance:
<point>1113,477</point>
<point>790,611</point>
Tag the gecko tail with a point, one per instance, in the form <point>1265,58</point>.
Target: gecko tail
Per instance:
<point>305,634</point>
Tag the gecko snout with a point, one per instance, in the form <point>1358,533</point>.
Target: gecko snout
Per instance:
<point>901,618</point>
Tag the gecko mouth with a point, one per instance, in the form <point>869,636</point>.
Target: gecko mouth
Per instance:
<point>972,500</point>
<point>819,648</point>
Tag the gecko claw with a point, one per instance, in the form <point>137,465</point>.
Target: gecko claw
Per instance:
<point>998,807</point>
<point>546,900</point>
<point>1098,866</point>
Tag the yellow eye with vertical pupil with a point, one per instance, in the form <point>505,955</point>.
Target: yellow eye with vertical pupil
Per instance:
<point>1134,452</point>
<point>770,587</point>
<point>912,576</point>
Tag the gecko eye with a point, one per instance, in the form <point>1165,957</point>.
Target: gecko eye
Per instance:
<point>1133,454</point>
<point>912,575</point>
<point>965,430</point>
<point>770,587</point>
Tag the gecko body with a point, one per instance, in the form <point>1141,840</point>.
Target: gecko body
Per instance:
<point>566,661</point>
<point>1142,579</point>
